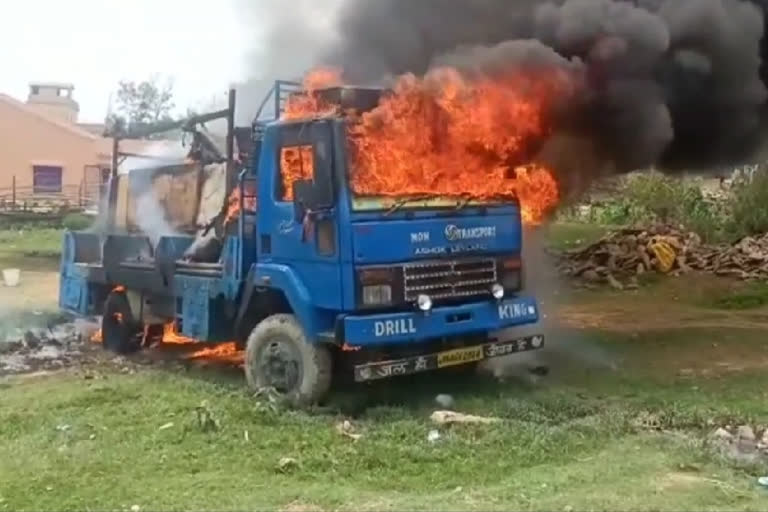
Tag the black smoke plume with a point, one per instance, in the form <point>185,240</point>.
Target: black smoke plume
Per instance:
<point>670,83</point>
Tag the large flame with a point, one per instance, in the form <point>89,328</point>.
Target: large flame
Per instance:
<point>447,135</point>
<point>308,104</point>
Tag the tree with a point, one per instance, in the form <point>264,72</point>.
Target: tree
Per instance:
<point>142,103</point>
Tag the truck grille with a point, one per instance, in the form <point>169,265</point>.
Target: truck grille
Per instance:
<point>449,279</point>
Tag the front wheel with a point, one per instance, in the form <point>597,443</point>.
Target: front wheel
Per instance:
<point>279,356</point>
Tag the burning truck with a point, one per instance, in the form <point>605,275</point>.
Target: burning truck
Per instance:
<point>377,232</point>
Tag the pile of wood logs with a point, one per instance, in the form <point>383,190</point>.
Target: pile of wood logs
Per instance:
<point>618,258</point>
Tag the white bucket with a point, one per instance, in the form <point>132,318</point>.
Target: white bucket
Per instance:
<point>11,276</point>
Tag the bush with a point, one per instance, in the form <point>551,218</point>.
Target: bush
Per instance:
<point>748,205</point>
<point>76,222</point>
<point>653,197</point>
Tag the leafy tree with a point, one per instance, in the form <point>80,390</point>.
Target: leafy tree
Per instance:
<point>141,103</point>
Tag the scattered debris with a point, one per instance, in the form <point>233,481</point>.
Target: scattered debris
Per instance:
<point>38,348</point>
<point>135,508</point>
<point>763,481</point>
<point>206,420</point>
<point>624,254</point>
<point>346,429</point>
<point>444,400</point>
<point>166,426</point>
<point>63,428</point>
<point>246,436</point>
<point>433,436</point>
<point>741,444</point>
<point>287,464</point>
<point>451,417</point>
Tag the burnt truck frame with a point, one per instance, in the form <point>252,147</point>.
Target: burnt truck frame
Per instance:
<point>321,281</point>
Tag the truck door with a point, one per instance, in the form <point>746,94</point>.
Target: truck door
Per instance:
<point>301,229</point>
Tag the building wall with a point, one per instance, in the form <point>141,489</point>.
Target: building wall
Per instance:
<point>27,139</point>
<point>59,111</point>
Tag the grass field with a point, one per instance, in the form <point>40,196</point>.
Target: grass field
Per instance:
<point>639,380</point>
<point>30,249</point>
<point>588,437</point>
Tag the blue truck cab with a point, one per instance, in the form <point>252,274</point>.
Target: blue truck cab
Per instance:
<point>313,280</point>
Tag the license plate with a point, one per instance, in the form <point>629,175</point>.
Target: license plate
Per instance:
<point>446,359</point>
<point>460,356</point>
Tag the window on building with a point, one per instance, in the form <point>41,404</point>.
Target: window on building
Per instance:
<point>296,163</point>
<point>46,179</point>
<point>35,90</point>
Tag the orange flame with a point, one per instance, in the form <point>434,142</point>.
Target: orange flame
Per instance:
<point>222,352</point>
<point>447,135</point>
<point>233,204</point>
<point>296,163</point>
<point>308,104</point>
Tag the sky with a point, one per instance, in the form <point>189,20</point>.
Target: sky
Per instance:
<point>93,44</point>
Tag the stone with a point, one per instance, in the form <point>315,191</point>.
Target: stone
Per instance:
<point>745,433</point>
<point>445,401</point>
<point>451,417</point>
<point>287,464</point>
<point>722,435</point>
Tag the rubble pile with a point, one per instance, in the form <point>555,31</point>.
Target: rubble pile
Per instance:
<point>743,443</point>
<point>618,258</point>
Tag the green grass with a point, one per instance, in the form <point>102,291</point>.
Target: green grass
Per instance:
<point>752,296</point>
<point>589,438</point>
<point>30,249</point>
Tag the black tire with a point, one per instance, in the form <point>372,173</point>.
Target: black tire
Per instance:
<point>279,356</point>
<point>120,332</point>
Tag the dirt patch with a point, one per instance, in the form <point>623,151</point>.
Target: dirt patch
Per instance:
<point>37,291</point>
<point>670,304</point>
<point>679,480</point>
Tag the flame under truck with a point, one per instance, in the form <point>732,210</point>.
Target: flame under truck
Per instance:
<point>309,279</point>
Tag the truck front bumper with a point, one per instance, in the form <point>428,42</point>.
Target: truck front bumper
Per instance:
<point>450,321</point>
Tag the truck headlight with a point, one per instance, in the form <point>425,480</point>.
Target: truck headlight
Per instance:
<point>379,286</point>
<point>497,291</point>
<point>377,295</point>
<point>424,302</point>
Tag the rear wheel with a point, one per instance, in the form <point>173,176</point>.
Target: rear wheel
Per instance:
<point>120,332</point>
<point>279,356</point>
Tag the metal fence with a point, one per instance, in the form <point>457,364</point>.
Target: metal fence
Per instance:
<point>28,199</point>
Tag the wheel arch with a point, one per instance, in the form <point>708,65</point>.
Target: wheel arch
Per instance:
<point>275,289</point>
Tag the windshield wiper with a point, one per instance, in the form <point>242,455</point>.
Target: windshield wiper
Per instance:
<point>404,201</point>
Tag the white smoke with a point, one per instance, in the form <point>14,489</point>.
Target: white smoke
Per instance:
<point>150,215</point>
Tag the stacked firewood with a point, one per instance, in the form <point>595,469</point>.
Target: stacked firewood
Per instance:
<point>621,256</point>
